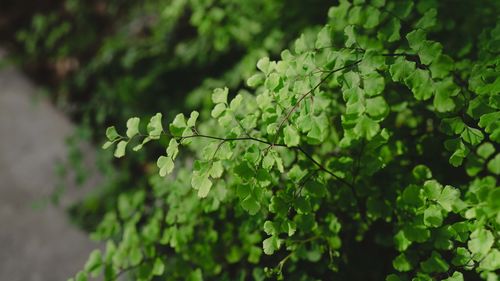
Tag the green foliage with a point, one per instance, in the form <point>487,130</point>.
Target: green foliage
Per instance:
<point>368,150</point>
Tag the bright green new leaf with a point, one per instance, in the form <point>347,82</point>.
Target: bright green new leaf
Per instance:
<point>449,198</point>
<point>220,95</point>
<point>366,127</point>
<point>155,127</point>
<point>120,149</point>
<point>133,126</point>
<point>435,263</point>
<point>218,110</point>
<point>178,126</point>
<point>480,243</point>
<point>472,135</point>
<point>172,149</point>
<point>191,122</point>
<point>165,164</point>
<point>107,144</point>
<point>433,216</point>
<point>324,38</point>
<point>271,244</point>
<point>251,205</point>
<point>492,261</point>
<point>111,133</point>
<point>292,137</point>
<point>216,170</point>
<point>263,65</point>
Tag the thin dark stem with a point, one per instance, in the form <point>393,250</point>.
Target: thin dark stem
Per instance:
<point>232,139</point>
<point>321,167</point>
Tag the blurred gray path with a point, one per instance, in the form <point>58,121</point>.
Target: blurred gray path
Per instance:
<point>34,244</point>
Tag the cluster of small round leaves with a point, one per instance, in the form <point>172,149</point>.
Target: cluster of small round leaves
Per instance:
<point>334,140</point>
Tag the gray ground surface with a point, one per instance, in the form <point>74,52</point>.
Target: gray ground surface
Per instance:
<point>34,244</point>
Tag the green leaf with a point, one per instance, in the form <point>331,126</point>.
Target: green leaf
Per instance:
<point>158,267</point>
<point>494,165</point>
<point>421,172</point>
<point>292,137</point>
<point>178,126</point>
<point>155,127</point>
<point>111,133</point>
<point>462,257</point>
<point>435,263</point>
<point>430,52</point>
<point>401,263</point>
<point>269,228</point>
<point>472,135</point>
<point>416,233</point>
<point>366,127</point>
<point>485,150</point>
<point>94,263</point>
<point>351,37</point>
<point>316,188</point>
<point>401,69</point>
<point>251,205</point>
<point>272,81</point>
<point>452,126</point>
<point>374,84</point>
<point>428,20</point>
<point>220,95</point>
<point>449,198</point>
<point>442,98</point>
<point>166,165</point>
<point>457,276</point>
<point>372,60</point>
<point>263,65</point>
<point>120,149</point>
<point>433,216</point>
<point>372,18</point>
<point>401,242</point>
<point>390,31</point>
<point>415,39</point>
<point>135,256</point>
<point>172,149</point>
<point>216,170</point>
<point>271,244</point>
<point>218,110</point>
<point>191,122</point>
<point>377,107</point>
<point>324,38</point>
<point>133,126</point>
<point>492,261</point>
<point>81,276</point>
<point>107,144</point>
<point>255,80</point>
<point>480,243</point>
<point>432,189</point>
<point>393,277</point>
<point>202,183</point>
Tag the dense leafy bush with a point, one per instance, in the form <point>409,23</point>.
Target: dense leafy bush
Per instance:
<point>107,60</point>
<point>368,151</point>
